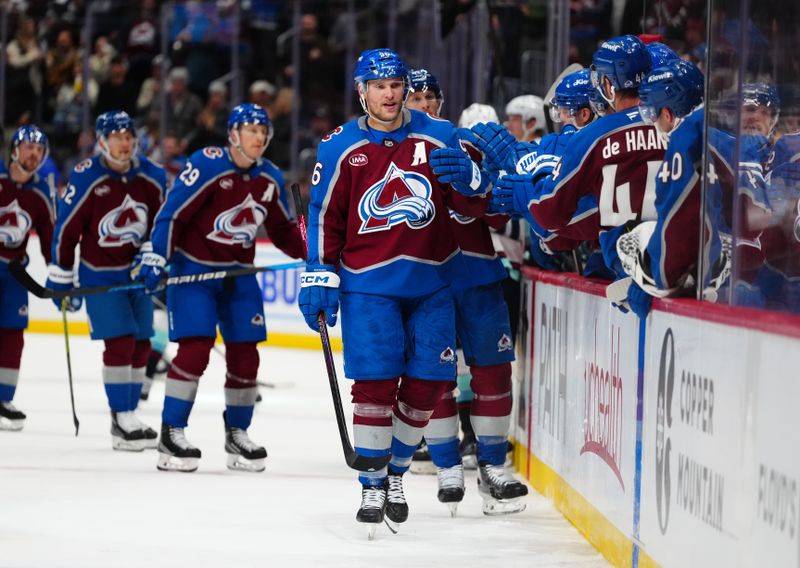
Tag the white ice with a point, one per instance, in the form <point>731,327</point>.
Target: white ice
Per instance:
<point>67,501</point>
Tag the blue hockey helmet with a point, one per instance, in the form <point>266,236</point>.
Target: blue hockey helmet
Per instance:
<point>660,53</point>
<point>572,93</point>
<point>761,94</point>
<point>421,80</point>
<point>33,134</point>
<point>676,85</point>
<point>113,121</point>
<point>624,60</point>
<point>380,63</point>
<point>248,113</point>
<point>598,103</point>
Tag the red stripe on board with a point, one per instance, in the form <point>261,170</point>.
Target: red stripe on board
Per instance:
<point>760,320</point>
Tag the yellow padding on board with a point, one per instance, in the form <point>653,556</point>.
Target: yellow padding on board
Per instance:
<point>295,340</point>
<point>612,543</point>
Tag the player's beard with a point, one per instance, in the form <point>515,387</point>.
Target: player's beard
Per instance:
<point>383,115</point>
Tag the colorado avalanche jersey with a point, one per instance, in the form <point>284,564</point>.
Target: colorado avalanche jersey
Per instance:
<point>616,159</point>
<point>110,214</point>
<point>213,212</point>
<point>379,214</point>
<point>24,207</point>
<point>482,265</point>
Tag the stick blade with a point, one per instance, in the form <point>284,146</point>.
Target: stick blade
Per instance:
<point>364,463</point>
<point>568,70</point>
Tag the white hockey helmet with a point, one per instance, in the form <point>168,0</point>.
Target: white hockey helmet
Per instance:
<point>475,113</point>
<point>528,107</point>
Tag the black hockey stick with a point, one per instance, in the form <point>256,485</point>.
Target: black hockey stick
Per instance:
<point>353,459</point>
<point>26,280</point>
<point>69,364</point>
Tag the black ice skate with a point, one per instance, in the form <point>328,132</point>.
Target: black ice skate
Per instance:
<point>175,453</point>
<point>501,492</point>
<point>243,454</point>
<point>451,486</point>
<point>396,506</point>
<point>373,505</point>
<point>126,432</point>
<point>421,460</point>
<point>10,417</point>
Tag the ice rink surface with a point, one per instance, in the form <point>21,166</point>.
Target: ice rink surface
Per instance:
<point>74,502</point>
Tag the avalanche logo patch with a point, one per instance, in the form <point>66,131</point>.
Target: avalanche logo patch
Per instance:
<point>126,224</point>
<point>23,310</point>
<point>400,197</point>
<point>447,356</point>
<point>258,320</point>
<point>239,224</point>
<point>504,344</point>
<point>15,223</point>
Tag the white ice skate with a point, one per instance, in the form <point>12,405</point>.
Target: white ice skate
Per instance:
<point>10,417</point>
<point>150,435</point>
<point>126,432</point>
<point>451,486</point>
<point>501,493</point>
<point>243,453</point>
<point>175,453</point>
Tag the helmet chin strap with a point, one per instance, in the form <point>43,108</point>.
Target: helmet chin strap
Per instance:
<point>363,100</point>
<point>106,152</point>
<point>235,140</point>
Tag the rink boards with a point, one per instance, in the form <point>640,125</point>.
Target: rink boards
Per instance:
<point>672,443</point>
<point>285,325</point>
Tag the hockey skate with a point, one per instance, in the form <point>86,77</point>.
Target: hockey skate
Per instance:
<point>175,453</point>
<point>150,435</point>
<point>373,505</point>
<point>10,417</point>
<point>451,486</point>
<point>501,492</point>
<point>396,506</point>
<point>468,449</point>
<point>421,461</point>
<point>126,432</point>
<point>243,454</point>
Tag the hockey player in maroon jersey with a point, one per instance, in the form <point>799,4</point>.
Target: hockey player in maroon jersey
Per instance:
<point>25,205</point>
<point>108,208</point>
<point>209,222</point>
<point>381,244</point>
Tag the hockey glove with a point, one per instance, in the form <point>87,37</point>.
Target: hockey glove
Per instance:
<point>61,279</point>
<point>319,292</point>
<point>152,272</point>
<point>136,265</point>
<point>495,141</point>
<point>639,300</point>
<point>509,195</point>
<point>456,168</point>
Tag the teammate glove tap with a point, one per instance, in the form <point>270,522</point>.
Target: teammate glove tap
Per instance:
<point>495,142</point>
<point>319,292</point>
<point>509,194</point>
<point>61,279</point>
<point>456,168</point>
<point>152,271</point>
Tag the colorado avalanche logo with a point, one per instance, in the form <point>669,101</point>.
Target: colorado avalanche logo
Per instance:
<point>15,223</point>
<point>239,224</point>
<point>400,197</point>
<point>126,224</point>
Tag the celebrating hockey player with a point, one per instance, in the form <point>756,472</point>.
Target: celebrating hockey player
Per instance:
<point>381,245</point>
<point>108,209</point>
<point>25,205</point>
<point>208,222</point>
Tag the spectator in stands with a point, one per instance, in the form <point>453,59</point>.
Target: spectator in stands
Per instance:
<point>169,155</point>
<point>150,89</point>
<point>212,122</point>
<point>142,43</point>
<point>101,59</point>
<point>262,93</point>
<point>68,116</point>
<point>60,62</point>
<point>23,80</point>
<point>182,106</point>
<point>117,92</point>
